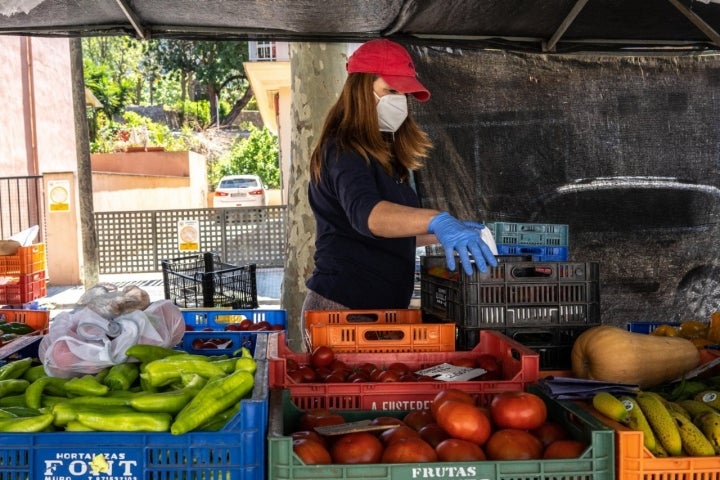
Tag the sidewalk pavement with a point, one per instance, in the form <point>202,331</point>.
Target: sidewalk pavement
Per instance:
<point>63,297</point>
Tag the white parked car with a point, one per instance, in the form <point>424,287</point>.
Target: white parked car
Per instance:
<point>240,191</point>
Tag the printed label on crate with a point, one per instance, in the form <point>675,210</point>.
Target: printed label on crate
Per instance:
<point>108,464</point>
<point>451,373</point>
<point>440,298</point>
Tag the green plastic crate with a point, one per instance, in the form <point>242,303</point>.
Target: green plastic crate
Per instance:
<point>596,463</point>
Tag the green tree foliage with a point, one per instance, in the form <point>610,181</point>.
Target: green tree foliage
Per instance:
<point>257,154</point>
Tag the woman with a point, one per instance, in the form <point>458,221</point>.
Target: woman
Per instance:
<point>368,216</point>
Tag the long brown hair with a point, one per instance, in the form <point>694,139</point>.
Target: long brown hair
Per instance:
<point>353,123</point>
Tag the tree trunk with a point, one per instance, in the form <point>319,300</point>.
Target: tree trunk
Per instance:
<point>91,264</point>
<point>237,108</point>
<point>318,74</point>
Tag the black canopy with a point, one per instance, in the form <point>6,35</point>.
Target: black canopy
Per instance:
<point>528,25</point>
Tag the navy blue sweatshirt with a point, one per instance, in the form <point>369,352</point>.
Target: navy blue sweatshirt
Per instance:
<point>352,266</point>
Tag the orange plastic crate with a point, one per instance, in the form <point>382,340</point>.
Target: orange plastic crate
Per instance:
<point>39,320</point>
<point>354,317</point>
<point>423,337</point>
<point>520,367</point>
<point>23,289</point>
<point>28,260</point>
<point>635,462</point>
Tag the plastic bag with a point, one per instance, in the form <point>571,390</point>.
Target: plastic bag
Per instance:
<point>84,342</point>
<point>110,302</point>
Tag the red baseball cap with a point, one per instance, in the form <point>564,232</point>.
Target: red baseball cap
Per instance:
<point>392,62</point>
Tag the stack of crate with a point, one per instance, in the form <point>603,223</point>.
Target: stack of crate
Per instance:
<point>23,276</point>
<point>544,242</point>
<point>534,295</point>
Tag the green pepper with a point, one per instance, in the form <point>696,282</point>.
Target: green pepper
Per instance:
<point>246,362</point>
<point>15,369</point>
<point>34,392</point>
<point>122,376</point>
<point>34,372</point>
<point>18,328</point>
<point>85,386</point>
<point>13,386</point>
<point>171,401</point>
<point>125,422</point>
<point>219,420</point>
<point>148,353</point>
<point>227,364</point>
<point>75,426</point>
<point>26,424</point>
<point>217,395</point>
<point>22,411</point>
<point>168,370</point>
<point>102,375</point>
<point>67,412</point>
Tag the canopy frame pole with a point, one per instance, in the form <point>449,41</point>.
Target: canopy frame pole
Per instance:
<point>710,32</point>
<point>133,19</point>
<point>549,46</point>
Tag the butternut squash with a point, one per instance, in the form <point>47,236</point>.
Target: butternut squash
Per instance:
<point>611,354</point>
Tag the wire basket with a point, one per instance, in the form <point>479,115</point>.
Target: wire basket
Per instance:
<point>204,281</point>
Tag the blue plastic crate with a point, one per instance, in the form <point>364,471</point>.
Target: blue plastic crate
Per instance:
<point>647,327</point>
<point>210,325</point>
<point>538,253</point>
<point>237,452</point>
<point>548,234</point>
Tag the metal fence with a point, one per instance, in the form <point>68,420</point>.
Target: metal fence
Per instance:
<point>21,205</point>
<point>137,241</point>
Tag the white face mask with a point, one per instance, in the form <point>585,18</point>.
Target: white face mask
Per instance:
<point>392,111</point>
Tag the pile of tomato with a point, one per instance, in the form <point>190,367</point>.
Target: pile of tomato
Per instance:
<point>514,426</point>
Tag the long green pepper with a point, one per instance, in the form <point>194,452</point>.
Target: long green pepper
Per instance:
<point>15,369</point>
<point>217,396</point>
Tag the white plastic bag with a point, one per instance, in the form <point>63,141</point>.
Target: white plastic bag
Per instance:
<point>83,342</point>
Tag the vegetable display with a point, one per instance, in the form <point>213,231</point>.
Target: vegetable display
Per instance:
<point>169,391</point>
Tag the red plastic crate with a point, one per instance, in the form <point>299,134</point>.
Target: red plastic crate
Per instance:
<point>520,367</point>
<point>39,320</point>
<point>27,260</point>
<point>354,317</point>
<point>23,289</point>
<point>424,337</point>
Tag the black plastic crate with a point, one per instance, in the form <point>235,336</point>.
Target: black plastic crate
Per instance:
<point>513,294</point>
<point>205,281</point>
<point>553,344</point>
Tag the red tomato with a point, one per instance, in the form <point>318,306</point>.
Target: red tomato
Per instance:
<point>464,362</point>
<point>399,368</point>
<point>316,417</point>
<point>358,447</point>
<point>450,394</point>
<point>456,450</point>
<point>383,420</point>
<point>521,410</point>
<point>322,356</point>
<point>418,418</point>
<point>311,452</point>
<point>308,374</point>
<point>246,324</point>
<point>387,376</point>
<point>409,450</point>
<point>550,431</point>
<point>564,449</point>
<point>464,421</point>
<point>394,434</point>
<point>311,435</point>
<point>513,444</point>
<point>433,434</point>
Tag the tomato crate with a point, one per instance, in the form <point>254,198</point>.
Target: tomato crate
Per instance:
<point>204,280</point>
<point>548,234</point>
<point>27,260</point>
<point>635,462</point>
<point>519,368</point>
<point>214,329</point>
<point>351,317</point>
<point>552,343</point>
<point>512,294</point>
<point>597,462</point>
<point>537,253</point>
<point>236,452</point>
<point>39,320</point>
<point>423,337</point>
<point>23,288</point>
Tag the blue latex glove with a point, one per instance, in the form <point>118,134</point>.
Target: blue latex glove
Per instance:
<point>462,237</point>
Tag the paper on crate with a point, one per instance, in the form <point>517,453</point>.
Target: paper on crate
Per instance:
<point>446,372</point>
<point>352,427</point>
